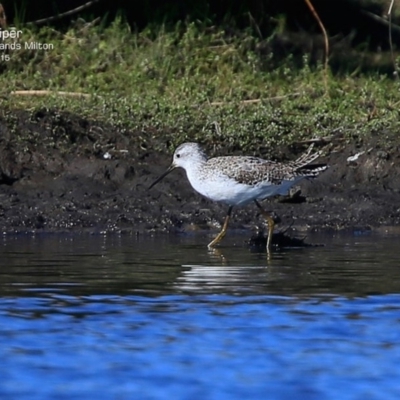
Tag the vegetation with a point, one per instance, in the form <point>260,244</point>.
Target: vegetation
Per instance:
<point>179,82</point>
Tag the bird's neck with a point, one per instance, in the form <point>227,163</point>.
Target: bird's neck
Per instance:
<point>193,170</point>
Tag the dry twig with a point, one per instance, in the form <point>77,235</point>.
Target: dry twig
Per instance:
<point>65,14</point>
<point>395,66</point>
<point>254,101</point>
<point>48,92</point>
<point>382,21</point>
<point>321,25</point>
<point>3,18</point>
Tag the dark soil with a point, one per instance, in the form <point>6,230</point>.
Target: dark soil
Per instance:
<point>62,173</point>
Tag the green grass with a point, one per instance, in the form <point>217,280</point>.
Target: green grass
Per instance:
<point>166,82</point>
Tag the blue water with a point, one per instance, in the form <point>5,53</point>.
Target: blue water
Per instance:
<point>122,318</point>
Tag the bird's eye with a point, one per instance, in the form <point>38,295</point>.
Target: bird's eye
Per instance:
<point>178,155</point>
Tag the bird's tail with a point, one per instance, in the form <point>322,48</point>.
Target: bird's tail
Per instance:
<point>311,170</point>
<point>306,158</point>
<point>303,167</point>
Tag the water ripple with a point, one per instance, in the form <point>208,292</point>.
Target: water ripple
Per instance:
<point>106,320</point>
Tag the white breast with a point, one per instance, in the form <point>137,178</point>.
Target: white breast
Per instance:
<point>225,190</point>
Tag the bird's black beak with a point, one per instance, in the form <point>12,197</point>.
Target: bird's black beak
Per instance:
<point>170,169</point>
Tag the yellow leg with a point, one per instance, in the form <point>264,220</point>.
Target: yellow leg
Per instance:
<point>223,230</point>
<point>271,224</point>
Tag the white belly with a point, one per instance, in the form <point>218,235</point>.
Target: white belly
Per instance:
<point>237,194</point>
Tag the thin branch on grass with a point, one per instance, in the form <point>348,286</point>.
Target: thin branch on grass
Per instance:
<point>3,18</point>
<point>254,101</point>
<point>48,92</point>
<point>320,140</point>
<point>254,23</point>
<point>65,14</point>
<point>321,25</point>
<point>221,103</point>
<point>395,66</point>
<point>382,21</point>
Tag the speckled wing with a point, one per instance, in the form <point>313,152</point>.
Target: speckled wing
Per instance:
<point>254,171</point>
<point>246,170</point>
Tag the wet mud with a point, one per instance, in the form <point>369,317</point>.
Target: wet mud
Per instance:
<point>63,173</point>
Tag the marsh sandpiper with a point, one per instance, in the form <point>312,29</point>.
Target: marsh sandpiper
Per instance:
<point>239,180</point>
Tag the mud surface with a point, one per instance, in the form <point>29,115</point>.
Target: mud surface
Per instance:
<point>62,173</point>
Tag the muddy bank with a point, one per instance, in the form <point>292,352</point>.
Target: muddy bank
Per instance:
<point>62,173</point>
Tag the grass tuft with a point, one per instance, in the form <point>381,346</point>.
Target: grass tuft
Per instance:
<point>177,82</point>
